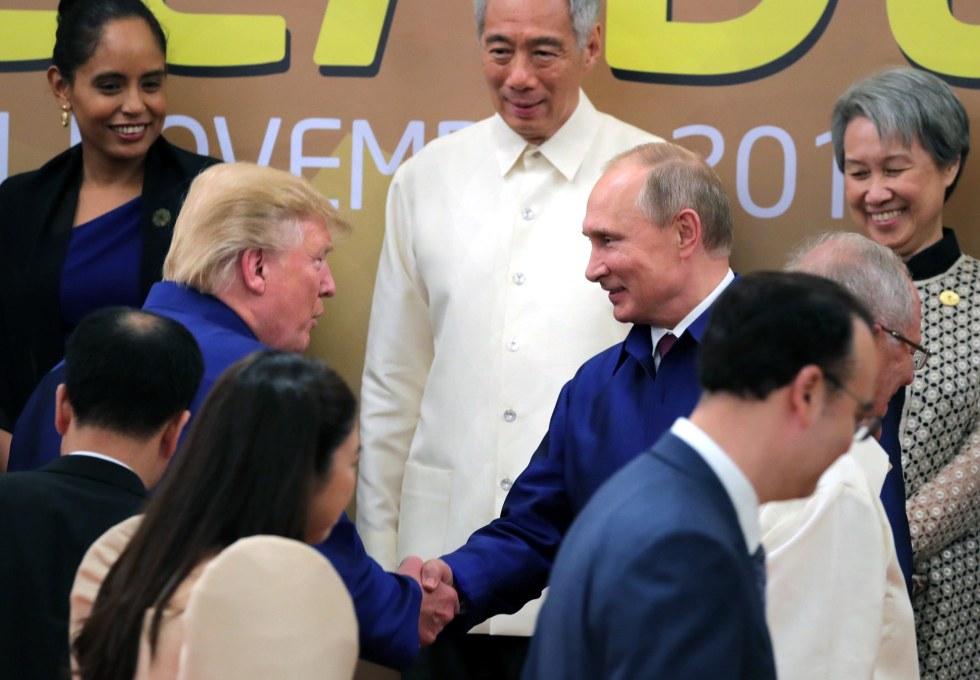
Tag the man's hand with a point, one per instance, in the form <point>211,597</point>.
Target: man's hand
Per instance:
<point>435,572</point>
<point>411,567</point>
<point>440,602</point>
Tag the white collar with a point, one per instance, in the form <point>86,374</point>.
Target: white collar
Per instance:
<point>566,150</point>
<point>100,456</point>
<point>736,484</point>
<point>678,330</point>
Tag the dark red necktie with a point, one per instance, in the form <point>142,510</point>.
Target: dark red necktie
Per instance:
<point>664,345</point>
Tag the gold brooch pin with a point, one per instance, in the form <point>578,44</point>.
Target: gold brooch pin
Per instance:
<point>950,298</point>
<point>161,217</point>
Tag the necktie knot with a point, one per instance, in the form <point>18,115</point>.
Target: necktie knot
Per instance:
<point>664,344</point>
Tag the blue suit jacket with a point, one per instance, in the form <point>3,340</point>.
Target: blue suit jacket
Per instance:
<point>654,581</point>
<point>387,605</point>
<point>614,408</point>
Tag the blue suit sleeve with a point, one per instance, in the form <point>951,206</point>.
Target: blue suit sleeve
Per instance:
<point>36,442</point>
<point>506,564</point>
<point>387,604</point>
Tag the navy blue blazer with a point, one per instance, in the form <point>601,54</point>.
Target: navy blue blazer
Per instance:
<point>48,519</point>
<point>654,581</point>
<point>614,408</point>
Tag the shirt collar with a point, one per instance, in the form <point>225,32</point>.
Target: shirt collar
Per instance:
<point>936,259</point>
<point>692,316</point>
<point>93,454</point>
<point>182,300</point>
<point>566,150</point>
<point>737,486</point>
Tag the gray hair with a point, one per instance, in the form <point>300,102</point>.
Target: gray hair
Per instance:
<point>583,13</point>
<point>907,104</point>
<point>680,179</point>
<point>872,273</point>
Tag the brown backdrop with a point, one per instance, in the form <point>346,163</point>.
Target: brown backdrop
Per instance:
<point>342,91</point>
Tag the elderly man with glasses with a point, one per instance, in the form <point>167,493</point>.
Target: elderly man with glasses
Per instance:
<point>837,598</point>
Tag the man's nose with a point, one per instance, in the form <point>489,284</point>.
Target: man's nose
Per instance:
<point>328,287</point>
<point>521,75</point>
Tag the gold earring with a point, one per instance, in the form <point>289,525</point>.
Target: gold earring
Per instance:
<point>64,115</point>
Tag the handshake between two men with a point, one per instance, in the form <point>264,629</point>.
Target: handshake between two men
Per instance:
<point>440,601</point>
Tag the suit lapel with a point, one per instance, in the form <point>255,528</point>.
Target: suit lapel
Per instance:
<point>674,452</point>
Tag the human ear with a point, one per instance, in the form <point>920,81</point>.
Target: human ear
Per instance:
<point>60,87</point>
<point>687,224</point>
<point>63,413</point>
<point>806,395</point>
<point>592,47</point>
<point>252,265</point>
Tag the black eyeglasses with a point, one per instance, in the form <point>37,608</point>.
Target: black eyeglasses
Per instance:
<point>866,425</point>
<point>919,357</point>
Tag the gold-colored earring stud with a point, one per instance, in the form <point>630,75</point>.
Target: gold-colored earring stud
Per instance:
<point>64,115</point>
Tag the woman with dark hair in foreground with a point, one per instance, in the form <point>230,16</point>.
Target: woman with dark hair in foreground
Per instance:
<point>271,453</point>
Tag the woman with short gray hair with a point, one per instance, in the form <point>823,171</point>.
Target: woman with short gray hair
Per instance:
<point>901,139</point>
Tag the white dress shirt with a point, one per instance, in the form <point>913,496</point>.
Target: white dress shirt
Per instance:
<point>736,484</point>
<point>481,313</point>
<point>656,333</point>
<point>837,604</point>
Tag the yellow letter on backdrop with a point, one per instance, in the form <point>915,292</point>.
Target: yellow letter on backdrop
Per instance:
<point>352,36</point>
<point>644,44</point>
<point>931,37</point>
<point>27,35</point>
<point>221,40</point>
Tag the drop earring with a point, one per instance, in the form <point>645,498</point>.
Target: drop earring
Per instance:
<point>64,115</point>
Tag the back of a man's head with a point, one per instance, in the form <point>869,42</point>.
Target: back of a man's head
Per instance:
<point>871,272</point>
<point>130,371</point>
<point>767,326</point>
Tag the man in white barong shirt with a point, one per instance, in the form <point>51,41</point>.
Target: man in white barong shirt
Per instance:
<point>481,308</point>
<point>836,600</point>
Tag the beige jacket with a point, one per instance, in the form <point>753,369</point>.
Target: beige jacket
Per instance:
<point>264,607</point>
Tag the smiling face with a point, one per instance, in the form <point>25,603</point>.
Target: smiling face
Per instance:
<point>295,280</point>
<point>334,493</point>
<point>118,96</point>
<point>533,65</point>
<point>634,260</point>
<point>895,193</point>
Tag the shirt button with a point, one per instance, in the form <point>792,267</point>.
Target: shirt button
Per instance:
<point>519,279</point>
<point>505,484</point>
<point>513,345</point>
<point>527,214</point>
<point>510,415</point>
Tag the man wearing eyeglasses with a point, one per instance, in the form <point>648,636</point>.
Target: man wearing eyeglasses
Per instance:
<point>837,601</point>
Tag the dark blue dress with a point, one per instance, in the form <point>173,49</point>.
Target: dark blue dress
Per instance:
<point>102,266</point>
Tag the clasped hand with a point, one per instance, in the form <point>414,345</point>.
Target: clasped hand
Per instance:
<point>440,602</point>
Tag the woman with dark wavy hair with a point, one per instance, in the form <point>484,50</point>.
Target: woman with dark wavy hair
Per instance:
<point>271,452</point>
